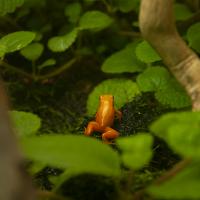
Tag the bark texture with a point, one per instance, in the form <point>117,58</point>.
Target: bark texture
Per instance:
<point>157,25</point>
<point>14,183</point>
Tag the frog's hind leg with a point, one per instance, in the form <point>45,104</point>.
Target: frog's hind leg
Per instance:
<point>109,134</point>
<point>91,127</point>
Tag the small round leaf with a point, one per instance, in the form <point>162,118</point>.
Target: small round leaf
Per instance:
<point>123,61</point>
<point>94,20</point>
<point>146,53</point>
<point>62,43</point>
<point>32,51</point>
<point>25,123</point>
<point>17,40</point>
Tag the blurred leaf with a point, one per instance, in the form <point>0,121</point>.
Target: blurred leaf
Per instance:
<point>123,90</point>
<point>124,60</point>
<point>146,53</point>
<point>17,40</point>
<point>25,123</point>
<point>184,139</point>
<point>181,132</point>
<point>62,43</point>
<point>8,6</point>
<point>153,79</point>
<point>32,51</point>
<point>185,185</point>
<point>161,126</point>
<point>94,20</point>
<point>193,37</point>
<point>2,50</point>
<point>73,11</point>
<point>72,152</point>
<point>47,63</point>
<point>181,11</point>
<point>136,150</point>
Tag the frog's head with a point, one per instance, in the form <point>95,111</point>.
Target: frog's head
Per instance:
<point>107,97</point>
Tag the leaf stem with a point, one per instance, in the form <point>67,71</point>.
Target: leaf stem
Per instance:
<point>57,71</point>
<point>49,194</point>
<point>15,69</point>
<point>39,77</point>
<point>173,171</point>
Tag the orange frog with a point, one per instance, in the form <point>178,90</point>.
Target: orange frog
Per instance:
<point>104,119</point>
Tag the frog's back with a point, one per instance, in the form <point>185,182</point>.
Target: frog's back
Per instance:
<point>105,116</point>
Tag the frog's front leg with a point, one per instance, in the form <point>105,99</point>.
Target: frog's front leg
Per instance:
<point>91,127</point>
<point>109,134</point>
<point>118,114</point>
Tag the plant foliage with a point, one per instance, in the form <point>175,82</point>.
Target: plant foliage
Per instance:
<point>26,123</point>
<point>7,6</point>
<point>64,151</point>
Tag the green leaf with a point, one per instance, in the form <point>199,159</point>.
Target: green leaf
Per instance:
<point>25,123</point>
<point>123,61</point>
<point>8,6</point>
<point>73,11</point>
<point>72,152</point>
<point>185,185</point>
<point>146,53</point>
<point>136,150</point>
<point>153,79</point>
<point>32,51</point>
<point>94,20</point>
<point>17,40</point>
<point>194,38</point>
<point>181,132</point>
<point>161,126</point>
<point>128,5</point>
<point>47,63</point>
<point>62,43</point>
<point>123,90</point>
<point>167,90</point>
<point>2,50</point>
<point>173,95</point>
<point>182,12</point>
<point>184,139</point>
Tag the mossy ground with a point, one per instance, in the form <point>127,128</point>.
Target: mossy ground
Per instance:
<point>61,104</point>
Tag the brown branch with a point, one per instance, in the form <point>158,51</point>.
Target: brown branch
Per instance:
<point>14,183</point>
<point>157,25</point>
<point>58,70</point>
<point>173,171</point>
<point>50,195</point>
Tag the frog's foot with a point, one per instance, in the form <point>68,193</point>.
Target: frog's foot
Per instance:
<point>109,135</point>
<point>91,127</point>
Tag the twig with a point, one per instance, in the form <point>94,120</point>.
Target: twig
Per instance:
<point>173,172</point>
<point>15,69</point>
<point>49,194</point>
<point>57,71</point>
<point>129,33</point>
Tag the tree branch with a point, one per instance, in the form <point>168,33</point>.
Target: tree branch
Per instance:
<point>157,25</point>
<point>14,183</point>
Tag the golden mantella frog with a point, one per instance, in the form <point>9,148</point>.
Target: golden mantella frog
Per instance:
<point>104,119</point>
